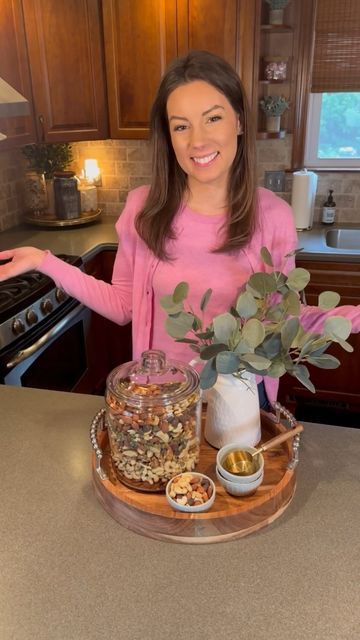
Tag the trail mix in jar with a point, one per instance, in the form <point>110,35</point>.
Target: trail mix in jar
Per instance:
<point>151,444</point>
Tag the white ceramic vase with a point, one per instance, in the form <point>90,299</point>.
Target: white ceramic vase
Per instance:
<point>233,412</point>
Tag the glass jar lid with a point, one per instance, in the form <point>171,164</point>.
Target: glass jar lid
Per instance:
<point>152,381</point>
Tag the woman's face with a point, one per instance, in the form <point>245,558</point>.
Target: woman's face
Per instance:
<point>203,128</point>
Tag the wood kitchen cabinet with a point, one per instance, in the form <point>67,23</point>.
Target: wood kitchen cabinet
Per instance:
<point>14,68</point>
<point>109,344</point>
<point>142,38</point>
<point>337,397</point>
<point>65,53</point>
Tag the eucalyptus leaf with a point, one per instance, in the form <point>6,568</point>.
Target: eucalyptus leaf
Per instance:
<point>205,299</point>
<point>275,312</point>
<point>178,326</point>
<point>246,305</point>
<point>208,375</point>
<point>253,332</point>
<point>197,324</point>
<point>337,327</point>
<point>227,362</point>
<point>186,340</point>
<point>205,335</point>
<point>180,292</point>
<point>168,304</point>
<point>326,361</point>
<point>345,345</point>
<point>266,256</point>
<point>276,370</point>
<point>256,361</point>
<point>302,374</point>
<point>298,278</point>
<point>263,283</point>
<point>289,332</point>
<point>243,347</point>
<point>291,303</point>
<point>328,300</point>
<point>270,347</point>
<point>212,350</point>
<point>224,327</point>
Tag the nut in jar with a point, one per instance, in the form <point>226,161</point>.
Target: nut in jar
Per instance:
<point>153,414</point>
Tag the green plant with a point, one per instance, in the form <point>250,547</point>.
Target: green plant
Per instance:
<point>274,105</point>
<point>48,158</point>
<point>261,333</point>
<point>277,4</point>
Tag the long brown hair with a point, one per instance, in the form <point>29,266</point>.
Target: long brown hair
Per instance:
<point>169,181</point>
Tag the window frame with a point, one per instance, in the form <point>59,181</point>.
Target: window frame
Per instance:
<point>312,141</point>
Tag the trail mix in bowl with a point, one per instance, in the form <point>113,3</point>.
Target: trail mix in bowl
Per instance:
<point>154,443</point>
<point>190,490</point>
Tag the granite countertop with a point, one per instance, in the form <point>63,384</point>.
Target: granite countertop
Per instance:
<point>71,572</point>
<point>87,240</point>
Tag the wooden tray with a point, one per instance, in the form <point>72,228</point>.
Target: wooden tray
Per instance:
<point>229,518</point>
<point>49,220</point>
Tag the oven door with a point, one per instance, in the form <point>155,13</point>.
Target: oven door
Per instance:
<point>56,360</point>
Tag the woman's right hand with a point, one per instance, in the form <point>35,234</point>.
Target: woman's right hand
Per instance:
<point>21,260</point>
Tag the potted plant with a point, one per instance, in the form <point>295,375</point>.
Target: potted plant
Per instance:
<point>47,159</point>
<point>276,13</point>
<point>261,334</point>
<point>273,108</point>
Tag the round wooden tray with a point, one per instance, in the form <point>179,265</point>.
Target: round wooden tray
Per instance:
<point>229,518</point>
<point>49,220</point>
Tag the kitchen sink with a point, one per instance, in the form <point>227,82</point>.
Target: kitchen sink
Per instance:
<point>343,239</point>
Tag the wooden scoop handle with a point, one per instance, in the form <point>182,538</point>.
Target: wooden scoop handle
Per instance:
<point>279,439</point>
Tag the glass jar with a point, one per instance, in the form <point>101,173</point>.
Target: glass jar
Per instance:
<point>153,415</point>
<point>67,195</point>
<point>35,199</point>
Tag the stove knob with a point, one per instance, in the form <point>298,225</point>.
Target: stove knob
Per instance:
<point>18,326</point>
<point>60,295</point>
<point>46,306</point>
<point>31,317</point>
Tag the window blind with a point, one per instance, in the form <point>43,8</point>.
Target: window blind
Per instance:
<point>336,61</point>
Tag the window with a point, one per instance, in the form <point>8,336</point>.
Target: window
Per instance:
<point>333,131</point>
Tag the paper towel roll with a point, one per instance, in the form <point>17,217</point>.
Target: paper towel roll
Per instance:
<point>303,198</point>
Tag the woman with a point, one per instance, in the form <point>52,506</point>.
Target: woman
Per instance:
<point>201,220</point>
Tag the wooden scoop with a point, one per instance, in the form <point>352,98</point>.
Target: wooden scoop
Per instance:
<point>242,463</point>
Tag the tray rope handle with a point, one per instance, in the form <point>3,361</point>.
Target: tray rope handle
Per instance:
<point>98,424</point>
<point>280,411</point>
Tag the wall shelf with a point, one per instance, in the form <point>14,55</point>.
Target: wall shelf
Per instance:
<point>263,135</point>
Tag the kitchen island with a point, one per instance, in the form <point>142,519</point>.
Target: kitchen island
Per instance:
<point>71,572</point>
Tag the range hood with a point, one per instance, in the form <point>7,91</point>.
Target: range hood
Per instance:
<point>12,103</point>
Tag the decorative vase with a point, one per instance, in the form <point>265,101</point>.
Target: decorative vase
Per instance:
<point>233,411</point>
<point>276,16</point>
<point>273,124</point>
<point>34,192</point>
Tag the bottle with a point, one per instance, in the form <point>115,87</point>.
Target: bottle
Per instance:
<point>329,209</point>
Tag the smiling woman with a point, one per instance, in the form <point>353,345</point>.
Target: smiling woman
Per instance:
<point>201,219</point>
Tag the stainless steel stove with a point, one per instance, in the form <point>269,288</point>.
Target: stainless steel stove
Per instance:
<point>27,300</point>
<point>37,331</point>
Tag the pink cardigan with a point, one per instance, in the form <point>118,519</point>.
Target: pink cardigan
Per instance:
<point>129,296</point>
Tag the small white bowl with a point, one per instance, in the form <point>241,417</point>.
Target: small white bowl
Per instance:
<point>224,451</point>
<point>236,489</point>
<point>185,507</point>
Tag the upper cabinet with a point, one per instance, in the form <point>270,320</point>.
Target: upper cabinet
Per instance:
<point>65,51</point>
<point>142,38</point>
<point>14,68</point>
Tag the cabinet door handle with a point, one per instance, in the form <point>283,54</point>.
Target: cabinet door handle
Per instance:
<point>42,123</point>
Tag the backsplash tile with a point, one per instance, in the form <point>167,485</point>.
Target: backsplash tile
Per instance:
<point>126,164</point>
